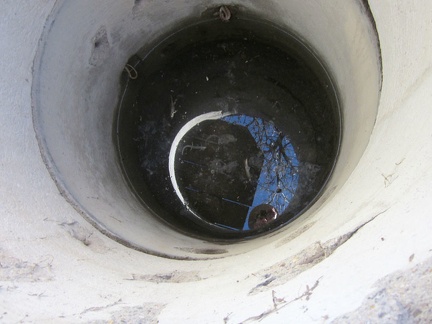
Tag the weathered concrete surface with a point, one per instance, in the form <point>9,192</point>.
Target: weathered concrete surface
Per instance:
<point>402,297</point>
<point>55,267</point>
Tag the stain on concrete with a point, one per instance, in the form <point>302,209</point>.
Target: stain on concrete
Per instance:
<point>171,277</point>
<point>99,308</point>
<point>17,270</point>
<point>101,47</point>
<point>289,268</point>
<point>85,236</point>
<point>203,251</point>
<point>401,297</point>
<point>295,234</point>
<point>146,313</point>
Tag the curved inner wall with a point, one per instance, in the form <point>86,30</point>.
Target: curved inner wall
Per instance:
<point>76,89</point>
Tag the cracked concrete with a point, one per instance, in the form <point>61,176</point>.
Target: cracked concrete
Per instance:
<point>89,238</point>
<point>285,270</point>
<point>171,277</point>
<point>295,234</point>
<point>279,303</point>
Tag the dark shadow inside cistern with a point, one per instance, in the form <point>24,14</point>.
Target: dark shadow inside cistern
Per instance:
<point>228,127</point>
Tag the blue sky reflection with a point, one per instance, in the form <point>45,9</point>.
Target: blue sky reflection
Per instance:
<point>278,179</point>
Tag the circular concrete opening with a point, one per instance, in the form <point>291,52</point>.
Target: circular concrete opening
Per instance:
<point>77,94</point>
<point>227,128</point>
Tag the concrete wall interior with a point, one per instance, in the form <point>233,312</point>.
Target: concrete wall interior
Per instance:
<point>76,90</point>
<point>363,253</point>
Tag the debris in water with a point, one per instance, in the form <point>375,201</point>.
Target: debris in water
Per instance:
<point>224,14</point>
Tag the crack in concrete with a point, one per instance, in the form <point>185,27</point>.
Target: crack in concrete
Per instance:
<point>285,270</point>
<point>289,268</point>
<point>295,234</point>
<point>279,303</point>
<point>172,277</point>
<point>99,308</point>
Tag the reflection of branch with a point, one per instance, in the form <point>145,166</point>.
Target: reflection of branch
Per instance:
<point>277,181</point>
<point>285,156</point>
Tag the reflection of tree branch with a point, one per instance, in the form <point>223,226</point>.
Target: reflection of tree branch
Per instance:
<point>277,179</point>
<point>282,149</point>
<point>276,182</point>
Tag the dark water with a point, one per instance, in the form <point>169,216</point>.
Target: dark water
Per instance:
<point>230,130</point>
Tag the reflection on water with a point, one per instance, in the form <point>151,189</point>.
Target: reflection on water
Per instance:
<point>230,130</point>
<point>237,171</point>
<point>279,173</point>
